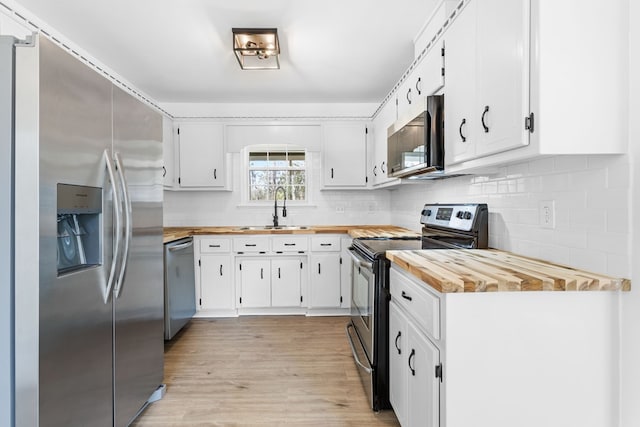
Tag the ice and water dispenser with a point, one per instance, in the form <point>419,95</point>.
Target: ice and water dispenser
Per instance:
<point>79,227</point>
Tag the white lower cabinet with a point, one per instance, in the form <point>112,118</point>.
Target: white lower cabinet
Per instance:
<point>286,282</point>
<point>267,282</point>
<point>325,280</point>
<point>414,362</point>
<point>255,283</point>
<point>480,359</point>
<point>216,285</point>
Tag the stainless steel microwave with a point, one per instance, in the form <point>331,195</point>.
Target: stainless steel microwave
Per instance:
<point>415,143</point>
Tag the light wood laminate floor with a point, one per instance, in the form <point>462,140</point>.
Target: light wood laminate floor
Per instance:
<point>262,371</point>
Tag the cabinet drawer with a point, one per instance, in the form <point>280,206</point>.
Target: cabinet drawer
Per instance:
<point>289,244</point>
<point>251,244</point>
<point>325,244</point>
<point>208,245</point>
<point>423,306</point>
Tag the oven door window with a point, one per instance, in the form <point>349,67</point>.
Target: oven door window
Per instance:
<point>362,293</point>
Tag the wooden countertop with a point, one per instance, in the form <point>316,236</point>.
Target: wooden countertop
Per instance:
<point>175,233</point>
<point>490,270</point>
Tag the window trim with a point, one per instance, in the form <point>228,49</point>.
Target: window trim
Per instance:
<point>245,168</point>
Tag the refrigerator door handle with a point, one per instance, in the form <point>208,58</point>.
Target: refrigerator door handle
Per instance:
<point>118,222</point>
<point>128,224</point>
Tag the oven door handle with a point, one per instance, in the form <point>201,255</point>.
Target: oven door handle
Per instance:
<point>353,350</point>
<point>359,261</point>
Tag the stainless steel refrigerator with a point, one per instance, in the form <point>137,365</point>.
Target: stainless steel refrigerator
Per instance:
<point>89,163</point>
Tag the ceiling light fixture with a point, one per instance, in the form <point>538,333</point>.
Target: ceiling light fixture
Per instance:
<point>257,48</point>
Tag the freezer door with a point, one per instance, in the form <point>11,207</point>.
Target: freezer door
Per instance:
<point>75,321</point>
<point>138,297</point>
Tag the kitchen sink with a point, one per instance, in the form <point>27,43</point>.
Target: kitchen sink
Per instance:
<point>271,227</point>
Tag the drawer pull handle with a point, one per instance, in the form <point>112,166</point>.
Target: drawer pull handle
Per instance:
<point>289,244</point>
<point>407,297</point>
<point>249,244</point>
<point>396,343</point>
<point>411,356</point>
<point>214,246</point>
<point>325,244</point>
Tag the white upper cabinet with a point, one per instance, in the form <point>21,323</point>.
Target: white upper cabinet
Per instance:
<point>202,155</point>
<point>487,71</point>
<point>460,93</point>
<point>344,155</point>
<point>522,81</point>
<point>502,61</point>
<point>428,77</point>
<point>378,164</point>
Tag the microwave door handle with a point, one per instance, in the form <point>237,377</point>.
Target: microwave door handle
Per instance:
<point>128,225</point>
<point>429,139</point>
<point>118,221</point>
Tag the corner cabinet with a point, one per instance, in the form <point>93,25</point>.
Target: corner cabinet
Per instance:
<point>202,158</point>
<point>344,155</point>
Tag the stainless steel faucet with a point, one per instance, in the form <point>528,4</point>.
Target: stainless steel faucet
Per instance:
<point>275,205</point>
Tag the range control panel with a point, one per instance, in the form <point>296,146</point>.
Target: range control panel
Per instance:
<point>456,216</point>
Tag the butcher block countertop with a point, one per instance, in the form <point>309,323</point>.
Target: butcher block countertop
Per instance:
<point>491,270</point>
<point>175,233</point>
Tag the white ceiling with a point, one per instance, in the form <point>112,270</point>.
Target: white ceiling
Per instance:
<point>181,51</point>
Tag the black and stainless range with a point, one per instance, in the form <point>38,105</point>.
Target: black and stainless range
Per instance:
<point>444,226</point>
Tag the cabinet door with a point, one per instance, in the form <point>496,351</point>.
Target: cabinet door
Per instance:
<point>398,354</point>
<point>216,287</point>
<point>344,154</point>
<point>428,76</point>
<point>201,152</point>
<point>383,120</point>
<point>168,152</point>
<point>460,111</point>
<point>286,277</point>
<point>255,283</point>
<point>423,399</point>
<point>503,74</point>
<point>325,280</point>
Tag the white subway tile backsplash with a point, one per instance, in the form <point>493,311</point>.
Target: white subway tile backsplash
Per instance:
<point>591,195</point>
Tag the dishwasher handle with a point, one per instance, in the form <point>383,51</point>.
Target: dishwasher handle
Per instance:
<point>181,246</point>
<point>353,350</point>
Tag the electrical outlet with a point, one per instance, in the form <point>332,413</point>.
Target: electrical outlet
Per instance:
<point>547,212</point>
<point>340,209</point>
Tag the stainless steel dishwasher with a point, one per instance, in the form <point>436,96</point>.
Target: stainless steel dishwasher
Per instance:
<point>179,286</point>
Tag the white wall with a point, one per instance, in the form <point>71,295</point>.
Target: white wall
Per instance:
<point>215,208</point>
<point>630,335</point>
<point>591,209</point>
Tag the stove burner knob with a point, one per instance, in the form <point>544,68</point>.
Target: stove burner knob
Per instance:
<point>459,214</point>
<point>426,212</point>
<point>467,215</point>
